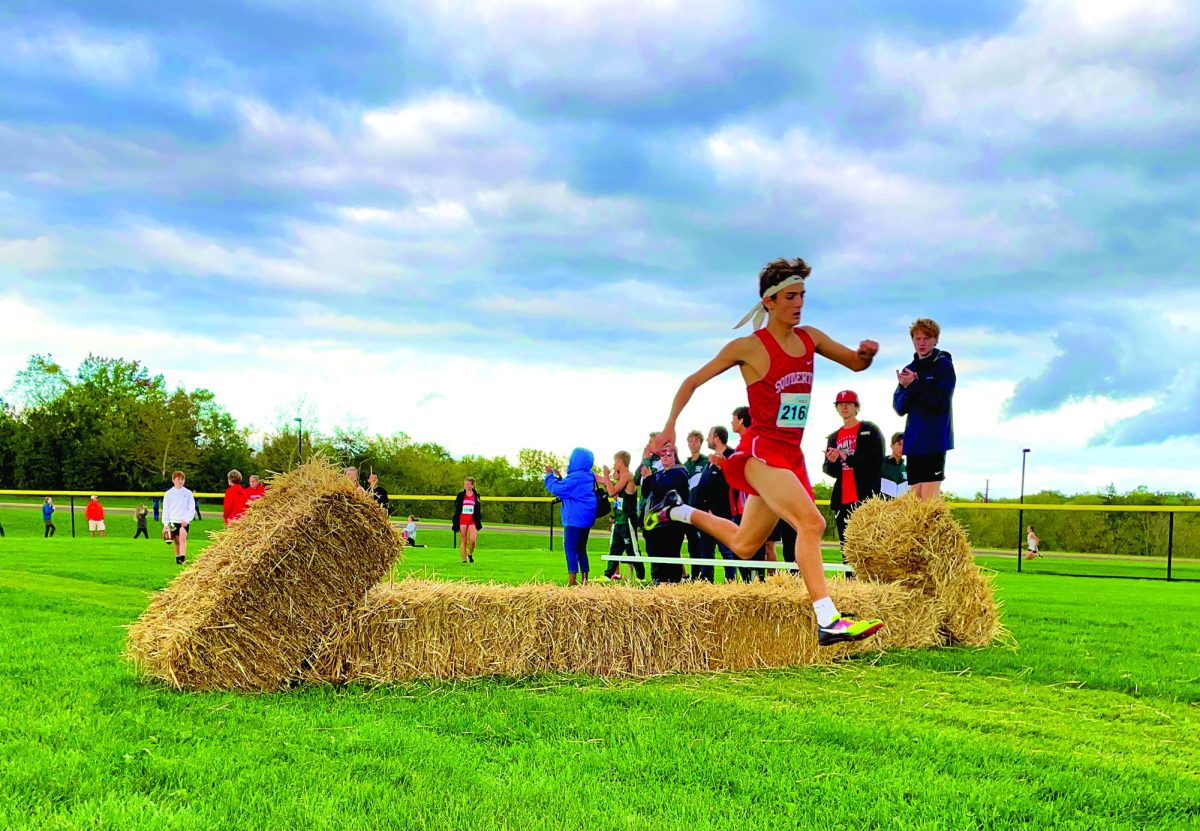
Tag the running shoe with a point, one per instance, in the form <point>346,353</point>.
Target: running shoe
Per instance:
<point>844,629</point>
<point>179,559</point>
<point>661,511</point>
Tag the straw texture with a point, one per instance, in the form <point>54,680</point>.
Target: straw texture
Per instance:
<point>249,612</point>
<point>919,544</point>
<point>422,629</point>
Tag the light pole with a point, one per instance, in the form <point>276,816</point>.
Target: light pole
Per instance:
<point>1021,511</point>
<point>299,439</point>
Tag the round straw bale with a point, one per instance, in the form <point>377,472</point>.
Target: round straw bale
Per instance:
<point>972,615</point>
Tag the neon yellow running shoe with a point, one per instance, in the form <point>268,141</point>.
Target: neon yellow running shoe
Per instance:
<point>844,629</point>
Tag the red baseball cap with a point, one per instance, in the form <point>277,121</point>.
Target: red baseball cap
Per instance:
<point>846,397</point>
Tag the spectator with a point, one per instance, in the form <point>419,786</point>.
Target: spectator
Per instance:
<point>378,492</point>
<point>94,513</point>
<point>713,496</point>
<point>468,519</point>
<point>139,516</point>
<point>352,474</point>
<point>925,393</point>
<point>854,458</point>
<point>235,498</point>
<point>255,490</point>
<point>179,508</point>
<point>618,482</point>
<point>740,424</point>
<point>48,517</point>
<point>577,490</point>
<point>893,478</point>
<point>410,532</point>
<point>694,466</point>
<point>665,540</point>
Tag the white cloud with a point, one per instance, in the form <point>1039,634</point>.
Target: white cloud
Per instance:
<point>59,49</point>
<point>1091,65</point>
<point>595,49</point>
<point>36,254</point>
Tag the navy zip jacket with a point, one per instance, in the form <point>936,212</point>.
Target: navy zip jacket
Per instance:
<point>927,403</point>
<point>577,490</point>
<point>656,485</point>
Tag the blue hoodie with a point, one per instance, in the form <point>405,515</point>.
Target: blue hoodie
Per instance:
<point>577,490</point>
<point>927,402</point>
<point>47,511</point>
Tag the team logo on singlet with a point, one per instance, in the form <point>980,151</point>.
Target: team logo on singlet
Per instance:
<point>793,378</point>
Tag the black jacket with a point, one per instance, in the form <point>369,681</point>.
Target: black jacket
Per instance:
<point>712,492</point>
<point>867,464</point>
<point>458,503</point>
<point>379,494</point>
<point>656,485</point>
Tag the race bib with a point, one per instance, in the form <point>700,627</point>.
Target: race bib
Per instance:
<point>468,509</point>
<point>793,409</point>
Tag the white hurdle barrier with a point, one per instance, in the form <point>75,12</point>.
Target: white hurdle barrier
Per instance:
<point>706,561</point>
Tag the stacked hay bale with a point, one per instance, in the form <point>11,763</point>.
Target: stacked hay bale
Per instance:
<point>920,545</point>
<point>248,614</point>
<point>420,629</point>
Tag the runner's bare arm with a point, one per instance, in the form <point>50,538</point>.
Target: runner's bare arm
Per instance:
<point>841,354</point>
<point>732,354</point>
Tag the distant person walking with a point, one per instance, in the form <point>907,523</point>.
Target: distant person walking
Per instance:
<point>468,519</point>
<point>48,517</point>
<point>139,516</point>
<point>854,458</point>
<point>179,508</point>
<point>577,490</point>
<point>94,513</point>
<point>1033,544</point>
<point>924,393</point>
<point>235,498</point>
<point>892,474</point>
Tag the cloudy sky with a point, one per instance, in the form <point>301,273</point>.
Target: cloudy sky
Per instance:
<point>518,223</point>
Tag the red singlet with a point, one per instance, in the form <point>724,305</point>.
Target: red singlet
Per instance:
<point>779,404</point>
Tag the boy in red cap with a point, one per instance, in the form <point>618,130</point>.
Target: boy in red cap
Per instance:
<point>854,458</point>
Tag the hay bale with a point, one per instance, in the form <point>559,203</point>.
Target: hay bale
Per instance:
<point>920,545</point>
<point>421,629</point>
<point>248,613</point>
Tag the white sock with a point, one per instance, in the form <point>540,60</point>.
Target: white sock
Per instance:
<point>827,613</point>
<point>682,513</point>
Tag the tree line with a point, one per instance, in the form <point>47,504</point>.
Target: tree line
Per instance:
<point>112,425</point>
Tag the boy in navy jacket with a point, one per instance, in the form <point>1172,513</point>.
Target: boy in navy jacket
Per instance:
<point>924,393</point>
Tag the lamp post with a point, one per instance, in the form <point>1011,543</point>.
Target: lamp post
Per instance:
<point>299,439</point>
<point>1021,511</point>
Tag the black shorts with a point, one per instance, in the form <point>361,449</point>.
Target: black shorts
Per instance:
<point>930,468</point>
<point>175,528</point>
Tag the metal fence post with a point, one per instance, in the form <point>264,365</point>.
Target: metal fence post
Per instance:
<point>551,525</point>
<point>72,517</point>
<point>1170,541</point>
<point>1020,531</point>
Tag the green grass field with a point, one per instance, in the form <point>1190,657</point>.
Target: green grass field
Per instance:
<point>1092,721</point>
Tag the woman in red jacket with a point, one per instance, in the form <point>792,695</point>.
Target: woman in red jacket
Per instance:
<point>235,498</point>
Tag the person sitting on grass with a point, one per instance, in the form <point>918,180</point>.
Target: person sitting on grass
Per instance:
<point>179,507</point>
<point>410,532</point>
<point>577,490</point>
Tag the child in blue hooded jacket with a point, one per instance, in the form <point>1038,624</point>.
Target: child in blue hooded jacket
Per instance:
<point>577,490</point>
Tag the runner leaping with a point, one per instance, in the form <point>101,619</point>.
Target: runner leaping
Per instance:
<point>777,365</point>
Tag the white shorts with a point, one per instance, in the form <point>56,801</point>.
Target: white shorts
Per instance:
<point>95,525</point>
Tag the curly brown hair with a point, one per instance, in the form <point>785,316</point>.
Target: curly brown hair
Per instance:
<point>776,271</point>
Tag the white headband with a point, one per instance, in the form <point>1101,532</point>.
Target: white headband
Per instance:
<point>758,312</point>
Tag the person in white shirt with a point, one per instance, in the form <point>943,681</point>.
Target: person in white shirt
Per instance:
<point>179,507</point>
